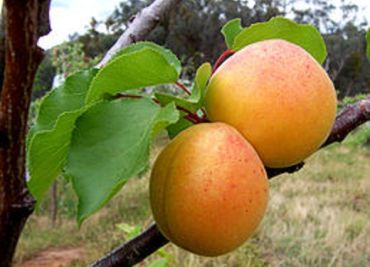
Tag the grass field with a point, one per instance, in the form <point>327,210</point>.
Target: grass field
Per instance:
<point>319,216</point>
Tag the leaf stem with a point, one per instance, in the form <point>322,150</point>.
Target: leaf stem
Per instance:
<point>192,117</point>
<point>183,87</point>
<point>227,53</point>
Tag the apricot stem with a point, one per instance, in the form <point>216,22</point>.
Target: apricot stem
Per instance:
<point>227,53</point>
<point>183,87</point>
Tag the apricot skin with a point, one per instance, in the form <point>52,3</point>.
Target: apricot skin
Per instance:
<point>278,96</point>
<point>208,189</point>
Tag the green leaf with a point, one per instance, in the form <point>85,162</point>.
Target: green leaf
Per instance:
<point>137,66</point>
<point>49,138</point>
<point>230,30</point>
<point>195,101</point>
<point>167,115</point>
<point>111,144</point>
<point>47,153</point>
<point>165,99</point>
<point>67,97</point>
<point>166,53</point>
<point>306,36</point>
<point>178,127</point>
<point>368,44</point>
<point>200,83</point>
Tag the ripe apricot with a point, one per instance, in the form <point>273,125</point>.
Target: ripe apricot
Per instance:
<point>278,96</point>
<point>208,189</point>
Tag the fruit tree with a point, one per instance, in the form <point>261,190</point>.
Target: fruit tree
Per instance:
<point>259,111</point>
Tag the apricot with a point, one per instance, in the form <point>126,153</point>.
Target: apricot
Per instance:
<point>208,189</point>
<point>278,96</point>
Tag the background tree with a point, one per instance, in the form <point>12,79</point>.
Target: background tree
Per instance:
<point>44,76</point>
<point>192,31</point>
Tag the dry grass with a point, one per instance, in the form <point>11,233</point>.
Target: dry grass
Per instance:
<point>317,217</point>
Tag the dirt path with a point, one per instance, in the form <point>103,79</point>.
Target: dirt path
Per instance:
<point>55,258</point>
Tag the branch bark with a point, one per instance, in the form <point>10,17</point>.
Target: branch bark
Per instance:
<point>134,250</point>
<point>24,23</point>
<point>144,22</point>
<point>2,48</point>
<point>149,241</point>
<point>348,119</point>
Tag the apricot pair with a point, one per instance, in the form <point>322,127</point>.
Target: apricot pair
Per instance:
<point>271,104</point>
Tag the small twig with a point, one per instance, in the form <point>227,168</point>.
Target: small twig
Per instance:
<point>204,113</point>
<point>227,53</point>
<point>183,87</point>
<point>193,117</point>
<point>189,118</point>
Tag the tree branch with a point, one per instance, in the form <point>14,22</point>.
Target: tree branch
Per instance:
<point>134,250</point>
<point>149,241</point>
<point>24,24</point>
<point>348,119</point>
<point>144,22</point>
<point>2,48</point>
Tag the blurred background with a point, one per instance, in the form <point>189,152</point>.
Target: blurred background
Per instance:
<point>192,32</point>
<point>316,217</point>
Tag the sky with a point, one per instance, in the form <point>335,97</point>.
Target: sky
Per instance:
<point>71,16</point>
